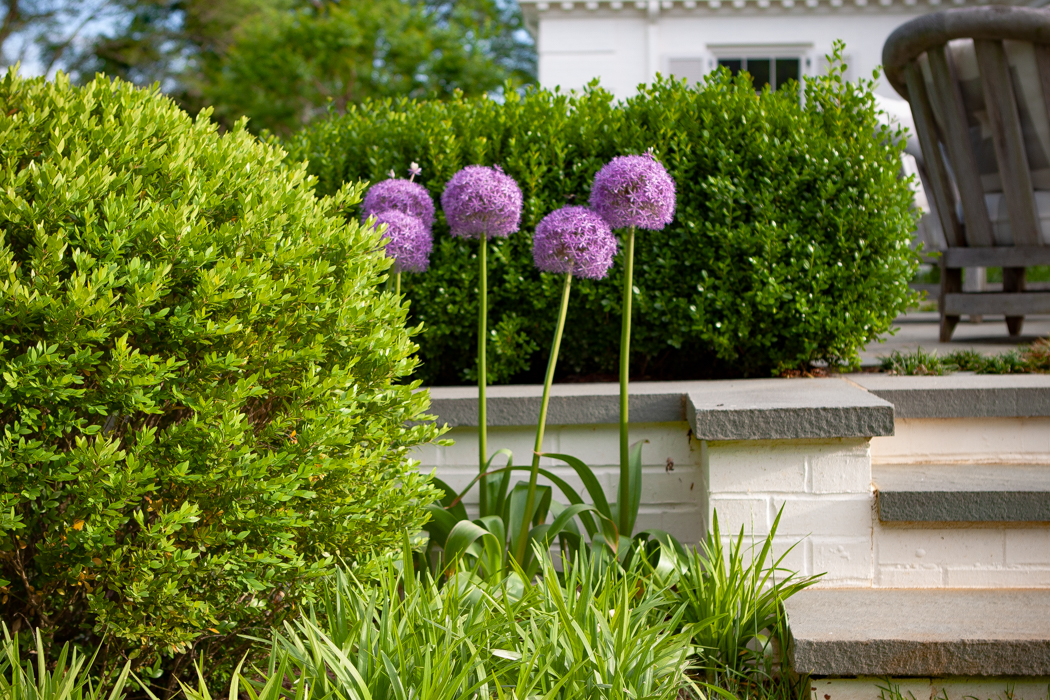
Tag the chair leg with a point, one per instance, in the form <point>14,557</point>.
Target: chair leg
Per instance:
<point>1014,281</point>
<point>948,324</point>
<point>951,283</point>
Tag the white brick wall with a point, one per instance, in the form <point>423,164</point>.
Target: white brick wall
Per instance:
<point>977,556</point>
<point>969,440</point>
<point>929,688</point>
<point>824,488</point>
<point>920,557</point>
<point>671,499</point>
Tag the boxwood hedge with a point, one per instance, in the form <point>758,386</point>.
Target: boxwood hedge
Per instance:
<point>202,399</point>
<point>790,243</point>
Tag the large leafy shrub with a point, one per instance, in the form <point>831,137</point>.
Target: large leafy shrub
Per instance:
<point>201,402</point>
<point>790,243</point>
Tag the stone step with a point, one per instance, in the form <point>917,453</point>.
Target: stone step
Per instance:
<point>962,493</point>
<point>920,632</point>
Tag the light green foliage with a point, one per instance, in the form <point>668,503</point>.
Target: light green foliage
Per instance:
<point>790,242</point>
<point>733,600</point>
<point>201,399</point>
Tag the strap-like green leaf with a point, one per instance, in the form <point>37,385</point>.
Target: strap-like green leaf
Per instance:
<point>451,501</point>
<point>590,482</point>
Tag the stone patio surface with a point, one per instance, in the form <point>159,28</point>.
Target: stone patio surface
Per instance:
<point>920,329</point>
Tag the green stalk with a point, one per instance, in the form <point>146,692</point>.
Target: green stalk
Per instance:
<point>483,309</point>
<point>625,356</point>
<point>397,284</point>
<point>530,499</point>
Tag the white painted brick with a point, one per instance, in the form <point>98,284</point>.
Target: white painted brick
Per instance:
<point>997,577</point>
<point>994,688</point>
<point>840,516</point>
<point>929,688</point>
<point>868,688</point>
<point>939,547</point>
<point>1028,546</point>
<point>661,486</point>
<point>734,511</point>
<point>846,470</point>
<point>595,445</point>
<point>464,451</point>
<point>910,577</point>
<point>984,440</point>
<point>599,445</point>
<point>756,466</point>
<point>687,524</point>
<point>843,559</point>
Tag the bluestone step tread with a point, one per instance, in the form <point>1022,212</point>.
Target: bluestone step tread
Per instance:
<point>962,493</point>
<point>920,632</point>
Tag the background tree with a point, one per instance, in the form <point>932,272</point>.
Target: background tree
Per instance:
<point>280,62</point>
<point>284,69</point>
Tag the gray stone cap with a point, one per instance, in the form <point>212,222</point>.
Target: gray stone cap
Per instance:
<point>754,409</point>
<point>961,395</point>
<point>571,404</point>
<point>965,493</point>
<point>777,409</point>
<point>920,632</point>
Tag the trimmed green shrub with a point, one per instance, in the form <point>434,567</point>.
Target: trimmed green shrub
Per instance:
<point>789,246</point>
<point>202,399</point>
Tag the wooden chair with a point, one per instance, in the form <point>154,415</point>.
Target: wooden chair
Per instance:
<point>978,82</point>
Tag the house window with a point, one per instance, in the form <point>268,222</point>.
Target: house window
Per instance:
<point>765,70</point>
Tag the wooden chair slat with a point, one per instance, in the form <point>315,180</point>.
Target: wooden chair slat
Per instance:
<point>1005,122</point>
<point>1042,60</point>
<point>1003,256</point>
<point>940,182</point>
<point>978,227</point>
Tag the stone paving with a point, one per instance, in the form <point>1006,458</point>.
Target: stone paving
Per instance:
<point>920,329</point>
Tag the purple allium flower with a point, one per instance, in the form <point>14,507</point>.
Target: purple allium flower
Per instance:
<point>400,195</point>
<point>408,240</point>
<point>482,201</point>
<point>634,191</point>
<point>576,240</point>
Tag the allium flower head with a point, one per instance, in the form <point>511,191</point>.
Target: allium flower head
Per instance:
<point>480,201</point>
<point>634,191</point>
<point>576,240</point>
<point>408,240</point>
<point>400,195</point>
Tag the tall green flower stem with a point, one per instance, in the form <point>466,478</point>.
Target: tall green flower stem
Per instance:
<point>625,363</point>
<point>530,499</point>
<point>483,312</point>
<point>397,284</point>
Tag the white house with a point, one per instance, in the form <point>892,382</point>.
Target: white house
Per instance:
<point>627,42</point>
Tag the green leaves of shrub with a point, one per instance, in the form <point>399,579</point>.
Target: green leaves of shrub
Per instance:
<point>202,398</point>
<point>790,243</point>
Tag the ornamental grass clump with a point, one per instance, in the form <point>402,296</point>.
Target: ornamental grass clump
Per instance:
<point>631,192</point>
<point>482,203</point>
